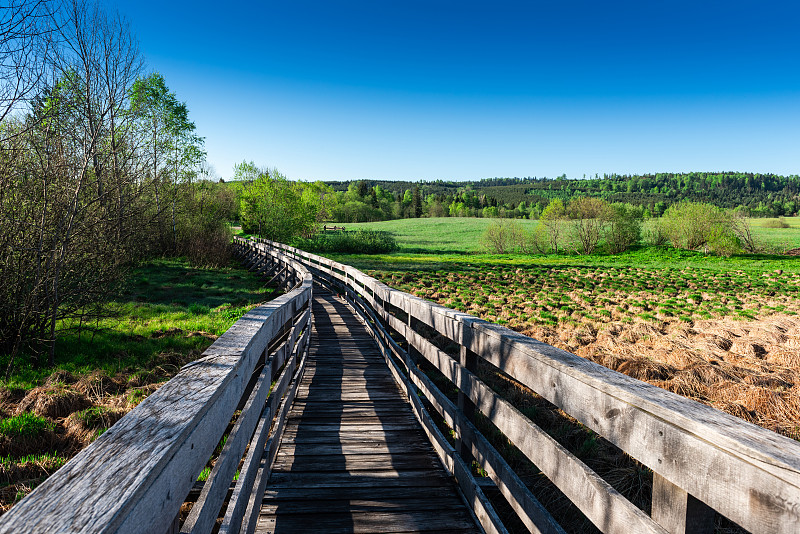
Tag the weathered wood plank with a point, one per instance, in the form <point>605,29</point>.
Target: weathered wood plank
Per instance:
<point>679,512</point>
<point>344,437</point>
<point>289,495</point>
<point>336,504</point>
<point>268,453</point>
<point>474,496</point>
<point>384,522</point>
<point>242,494</point>
<point>749,474</point>
<point>601,503</point>
<point>353,463</point>
<point>377,447</point>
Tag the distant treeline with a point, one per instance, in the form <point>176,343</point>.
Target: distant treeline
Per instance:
<point>752,194</point>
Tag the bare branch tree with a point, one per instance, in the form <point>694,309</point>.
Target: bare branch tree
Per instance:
<point>25,27</point>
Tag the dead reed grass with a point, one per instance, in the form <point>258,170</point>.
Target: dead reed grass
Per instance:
<point>79,410</point>
<point>749,369</point>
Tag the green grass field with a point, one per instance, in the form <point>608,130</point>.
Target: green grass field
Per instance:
<point>167,307</point>
<point>459,235</point>
<point>445,235</point>
<point>450,243</point>
<point>780,239</point>
<point>168,313</point>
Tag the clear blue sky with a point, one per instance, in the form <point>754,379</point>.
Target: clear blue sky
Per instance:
<point>429,90</point>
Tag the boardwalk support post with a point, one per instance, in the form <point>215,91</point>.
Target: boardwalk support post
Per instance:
<point>468,360</point>
<point>679,512</point>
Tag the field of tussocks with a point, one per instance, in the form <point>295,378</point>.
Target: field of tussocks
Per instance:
<point>728,339</point>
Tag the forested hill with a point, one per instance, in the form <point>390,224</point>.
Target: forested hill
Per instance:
<point>761,194</point>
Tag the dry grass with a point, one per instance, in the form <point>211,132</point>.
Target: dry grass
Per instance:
<point>79,409</point>
<point>746,368</point>
<point>728,339</point>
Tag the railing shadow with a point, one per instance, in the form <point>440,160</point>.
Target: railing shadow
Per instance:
<point>315,444</point>
<point>360,456</point>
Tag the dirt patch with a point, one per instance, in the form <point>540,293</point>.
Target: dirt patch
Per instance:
<point>158,334</point>
<point>200,333</point>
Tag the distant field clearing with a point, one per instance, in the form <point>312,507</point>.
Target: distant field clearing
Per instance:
<point>447,235</point>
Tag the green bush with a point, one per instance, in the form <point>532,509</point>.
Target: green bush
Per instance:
<point>624,229</point>
<point>780,222</point>
<point>345,242</point>
<point>694,225</point>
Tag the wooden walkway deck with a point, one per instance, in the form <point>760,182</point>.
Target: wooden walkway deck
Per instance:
<point>353,457</point>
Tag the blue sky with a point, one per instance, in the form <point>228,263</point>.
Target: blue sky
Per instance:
<point>467,90</point>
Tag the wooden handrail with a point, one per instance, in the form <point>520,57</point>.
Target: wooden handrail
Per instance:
<point>136,476</point>
<point>702,459</point>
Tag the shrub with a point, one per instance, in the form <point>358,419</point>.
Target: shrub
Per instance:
<point>551,227</point>
<point>624,229</point>
<point>588,218</point>
<point>349,242</point>
<point>655,233</point>
<point>503,236</point>
<point>780,222</point>
<point>694,225</point>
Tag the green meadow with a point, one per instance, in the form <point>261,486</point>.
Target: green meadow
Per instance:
<point>168,307</point>
<point>458,235</point>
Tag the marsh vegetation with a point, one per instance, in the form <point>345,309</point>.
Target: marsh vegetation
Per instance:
<point>163,318</point>
<point>721,330</point>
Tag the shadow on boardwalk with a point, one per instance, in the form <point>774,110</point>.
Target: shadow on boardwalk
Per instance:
<point>353,457</point>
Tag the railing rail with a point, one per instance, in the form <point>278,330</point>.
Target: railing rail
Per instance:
<point>702,459</point>
<point>137,475</point>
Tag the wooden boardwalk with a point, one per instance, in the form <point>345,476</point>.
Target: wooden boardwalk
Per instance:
<point>353,457</point>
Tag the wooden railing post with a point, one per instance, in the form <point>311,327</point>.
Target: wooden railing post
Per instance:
<point>469,360</point>
<point>677,511</point>
<point>412,352</point>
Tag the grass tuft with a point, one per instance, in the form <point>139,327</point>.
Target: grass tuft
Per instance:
<point>25,424</point>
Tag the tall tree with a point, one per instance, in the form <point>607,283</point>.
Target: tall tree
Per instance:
<point>172,147</point>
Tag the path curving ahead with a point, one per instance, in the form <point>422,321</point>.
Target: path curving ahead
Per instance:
<point>353,457</point>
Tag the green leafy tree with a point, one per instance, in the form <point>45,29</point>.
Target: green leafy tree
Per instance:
<point>552,223</point>
<point>279,209</point>
<point>624,227</point>
<point>174,150</point>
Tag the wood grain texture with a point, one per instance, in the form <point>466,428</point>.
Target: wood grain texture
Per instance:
<point>353,458</point>
<point>679,512</point>
<point>146,464</point>
<point>747,473</point>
